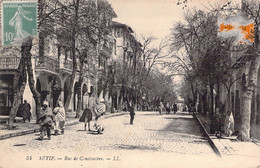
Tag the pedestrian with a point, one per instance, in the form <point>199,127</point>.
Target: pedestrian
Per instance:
<point>99,110</point>
<point>46,119</point>
<point>229,123</point>
<point>86,117</point>
<point>60,117</point>
<point>168,108</point>
<point>24,111</point>
<point>125,106</point>
<point>217,124</point>
<point>132,113</point>
<point>161,108</point>
<point>175,108</point>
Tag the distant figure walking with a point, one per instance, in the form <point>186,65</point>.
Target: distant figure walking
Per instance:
<point>175,108</point>
<point>132,114</point>
<point>161,108</point>
<point>86,117</point>
<point>60,116</point>
<point>168,109</point>
<point>229,123</point>
<point>46,119</point>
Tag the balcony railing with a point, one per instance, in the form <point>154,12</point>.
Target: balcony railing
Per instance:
<point>9,62</point>
<point>66,65</point>
<point>48,63</point>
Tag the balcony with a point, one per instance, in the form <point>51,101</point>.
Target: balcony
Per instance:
<point>65,65</point>
<point>9,63</point>
<point>46,63</point>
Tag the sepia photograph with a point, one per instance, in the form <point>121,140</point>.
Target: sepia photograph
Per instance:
<point>130,84</point>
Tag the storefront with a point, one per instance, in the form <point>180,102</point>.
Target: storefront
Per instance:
<point>6,93</point>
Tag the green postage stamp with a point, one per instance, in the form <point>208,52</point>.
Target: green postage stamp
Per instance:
<point>19,20</point>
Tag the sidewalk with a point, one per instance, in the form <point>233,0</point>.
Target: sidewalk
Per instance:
<point>22,128</point>
<point>224,146</point>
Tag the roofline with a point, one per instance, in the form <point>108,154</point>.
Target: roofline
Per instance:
<point>117,24</point>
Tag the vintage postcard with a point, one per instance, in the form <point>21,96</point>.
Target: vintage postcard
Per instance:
<point>130,83</point>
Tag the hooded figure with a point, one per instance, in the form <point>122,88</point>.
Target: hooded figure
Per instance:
<point>229,123</point>
<point>161,107</point>
<point>46,119</point>
<point>60,117</point>
<point>24,111</point>
<point>99,110</point>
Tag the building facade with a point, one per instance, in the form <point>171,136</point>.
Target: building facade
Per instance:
<point>52,64</point>
<point>126,58</point>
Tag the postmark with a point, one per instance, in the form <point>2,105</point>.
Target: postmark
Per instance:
<point>19,20</point>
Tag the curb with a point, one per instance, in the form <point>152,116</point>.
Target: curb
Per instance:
<point>31,131</point>
<point>212,144</point>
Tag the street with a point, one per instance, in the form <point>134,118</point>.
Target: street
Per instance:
<point>160,139</point>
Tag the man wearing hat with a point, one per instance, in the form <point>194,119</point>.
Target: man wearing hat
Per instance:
<point>99,111</point>
<point>45,119</point>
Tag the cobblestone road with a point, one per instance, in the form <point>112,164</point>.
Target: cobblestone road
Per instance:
<point>153,141</point>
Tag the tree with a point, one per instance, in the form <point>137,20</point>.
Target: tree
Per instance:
<point>198,53</point>
<point>159,87</point>
<point>25,65</point>
<point>252,9</point>
<point>20,79</point>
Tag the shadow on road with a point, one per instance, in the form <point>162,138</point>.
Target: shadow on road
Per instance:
<point>181,123</point>
<point>154,113</point>
<point>19,144</point>
<point>151,114</point>
<point>134,147</point>
<point>82,130</point>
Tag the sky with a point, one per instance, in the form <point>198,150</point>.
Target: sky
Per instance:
<point>154,17</point>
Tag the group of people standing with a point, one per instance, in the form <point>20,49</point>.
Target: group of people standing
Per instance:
<point>168,108</point>
<point>49,119</point>
<point>228,124</point>
<point>98,108</point>
<point>55,119</point>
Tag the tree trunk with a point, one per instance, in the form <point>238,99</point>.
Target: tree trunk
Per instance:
<point>21,82</point>
<point>228,105</point>
<point>204,102</point>
<point>212,100</point>
<point>253,108</point>
<point>194,94</point>
<point>36,94</point>
<point>70,87</point>
<point>74,68</point>
<point>244,132</point>
<point>81,76</point>
<point>18,93</point>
